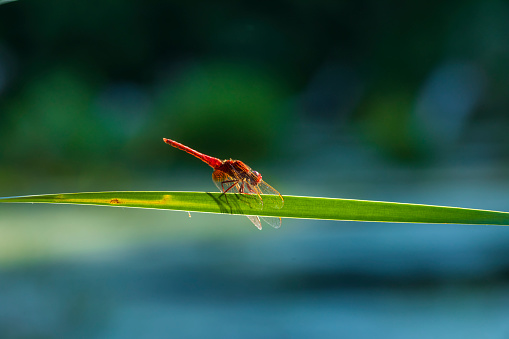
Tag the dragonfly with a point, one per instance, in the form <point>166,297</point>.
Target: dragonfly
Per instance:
<point>233,176</point>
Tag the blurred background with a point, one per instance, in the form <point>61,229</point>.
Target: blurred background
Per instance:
<point>372,100</point>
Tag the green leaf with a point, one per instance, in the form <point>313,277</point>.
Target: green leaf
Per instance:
<point>294,206</point>
<point>5,1</point>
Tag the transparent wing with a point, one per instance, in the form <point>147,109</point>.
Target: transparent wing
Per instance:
<point>271,197</point>
<point>255,220</point>
<point>272,221</point>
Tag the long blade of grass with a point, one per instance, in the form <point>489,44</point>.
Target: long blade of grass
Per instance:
<point>294,207</point>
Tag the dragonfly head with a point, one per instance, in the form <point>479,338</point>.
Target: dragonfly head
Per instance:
<point>258,176</point>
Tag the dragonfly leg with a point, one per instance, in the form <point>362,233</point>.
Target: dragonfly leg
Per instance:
<point>251,190</point>
<point>235,182</point>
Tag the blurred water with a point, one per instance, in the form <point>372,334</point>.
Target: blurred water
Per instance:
<point>340,282</point>
<point>121,273</point>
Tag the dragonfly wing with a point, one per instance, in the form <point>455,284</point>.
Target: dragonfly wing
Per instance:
<point>225,182</point>
<point>272,221</point>
<point>255,220</point>
<point>272,198</point>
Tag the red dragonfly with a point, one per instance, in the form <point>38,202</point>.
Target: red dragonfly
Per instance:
<point>233,176</point>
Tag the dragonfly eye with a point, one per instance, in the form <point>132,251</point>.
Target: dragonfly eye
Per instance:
<point>258,176</point>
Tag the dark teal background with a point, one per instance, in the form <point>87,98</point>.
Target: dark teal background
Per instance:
<point>375,100</point>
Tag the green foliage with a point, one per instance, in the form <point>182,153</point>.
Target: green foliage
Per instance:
<point>294,207</point>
